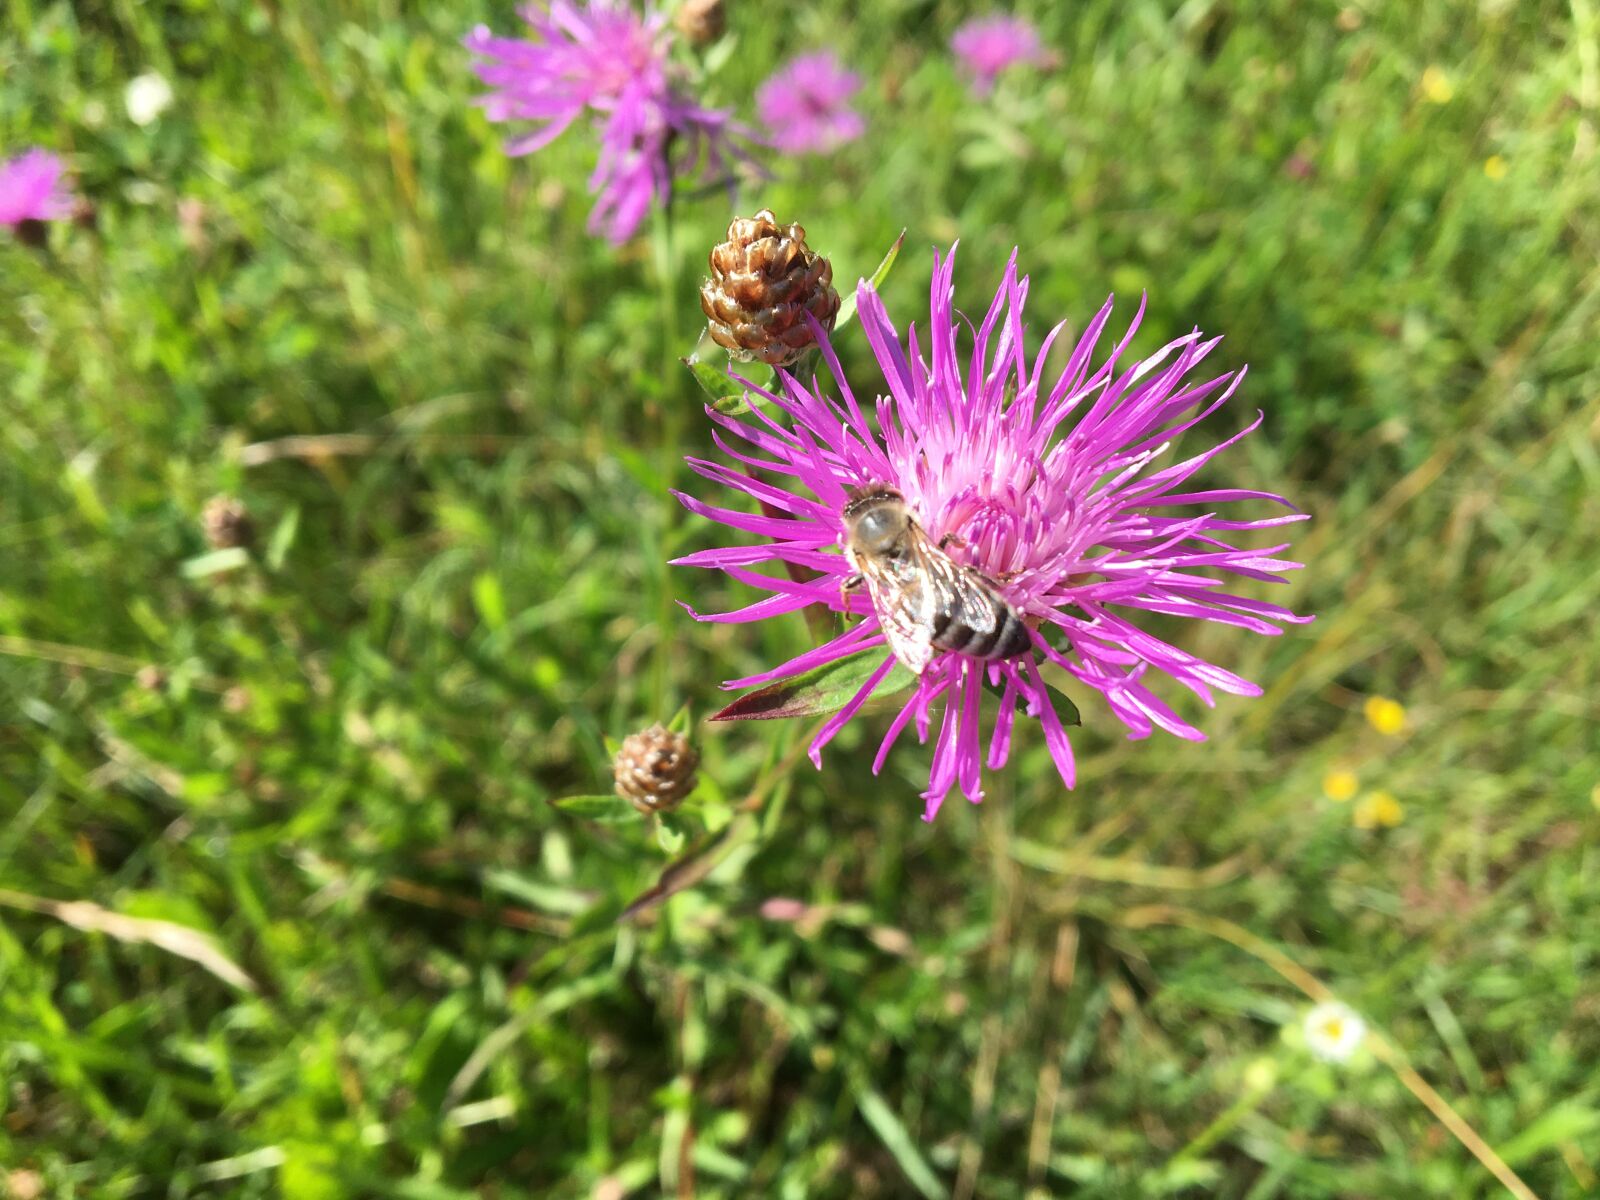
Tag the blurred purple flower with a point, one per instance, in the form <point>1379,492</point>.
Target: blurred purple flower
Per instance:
<point>988,45</point>
<point>645,147</point>
<point>604,59</point>
<point>805,105</point>
<point>1049,484</point>
<point>31,189</point>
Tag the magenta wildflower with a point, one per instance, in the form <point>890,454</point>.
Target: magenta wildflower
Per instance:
<point>805,105</point>
<point>1050,485</point>
<point>31,189</point>
<point>605,60</point>
<point>988,45</point>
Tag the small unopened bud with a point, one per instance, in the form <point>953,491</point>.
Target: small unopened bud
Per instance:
<point>764,281</point>
<point>150,678</point>
<point>192,223</point>
<point>654,769</point>
<point>1299,167</point>
<point>84,213</point>
<point>226,523</point>
<point>701,21</point>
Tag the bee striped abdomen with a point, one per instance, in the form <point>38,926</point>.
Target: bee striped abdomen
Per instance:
<point>1006,637</point>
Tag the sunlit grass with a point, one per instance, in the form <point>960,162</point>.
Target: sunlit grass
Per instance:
<point>443,405</point>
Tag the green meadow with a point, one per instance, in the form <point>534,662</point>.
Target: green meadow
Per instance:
<point>287,908</point>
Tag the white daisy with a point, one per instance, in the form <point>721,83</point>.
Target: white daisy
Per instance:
<point>1333,1031</point>
<point>147,97</point>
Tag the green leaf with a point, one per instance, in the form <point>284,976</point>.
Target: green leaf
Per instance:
<point>717,384</point>
<point>681,721</point>
<point>847,307</point>
<point>609,809</point>
<point>216,562</point>
<point>1565,1122</point>
<point>897,1141</point>
<point>1185,1175</point>
<point>720,52</point>
<point>282,539</point>
<point>727,394</point>
<point>489,600</point>
<point>544,896</point>
<point>670,839</point>
<point>1055,679</point>
<point>823,690</point>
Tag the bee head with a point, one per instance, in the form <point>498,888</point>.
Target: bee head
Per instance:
<point>876,518</point>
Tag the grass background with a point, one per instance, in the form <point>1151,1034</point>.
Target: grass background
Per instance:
<point>344,768</point>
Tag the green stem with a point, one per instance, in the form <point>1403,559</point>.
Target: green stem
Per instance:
<point>1223,1124</point>
<point>669,419</point>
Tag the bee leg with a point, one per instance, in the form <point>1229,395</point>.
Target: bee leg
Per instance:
<point>952,539</point>
<point>847,585</point>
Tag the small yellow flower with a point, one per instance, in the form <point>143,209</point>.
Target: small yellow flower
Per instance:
<point>1340,785</point>
<point>1378,810</point>
<point>1387,716</point>
<point>1494,167</point>
<point>1436,86</point>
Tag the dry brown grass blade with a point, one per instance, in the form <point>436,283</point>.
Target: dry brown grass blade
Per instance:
<point>86,658</point>
<point>465,906</point>
<point>347,445</point>
<point>82,657</point>
<point>1382,1048</point>
<point>1063,970</point>
<point>199,948</point>
<point>1122,870</point>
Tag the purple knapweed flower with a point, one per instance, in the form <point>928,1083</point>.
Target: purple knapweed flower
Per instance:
<point>988,45</point>
<point>1049,484</point>
<point>32,189</point>
<point>805,105</point>
<point>605,60</point>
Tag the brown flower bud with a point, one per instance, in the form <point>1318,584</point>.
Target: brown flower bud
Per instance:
<point>764,280</point>
<point>654,769</point>
<point>226,523</point>
<point>701,22</point>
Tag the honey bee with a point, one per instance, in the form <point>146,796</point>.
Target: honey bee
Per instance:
<point>925,600</point>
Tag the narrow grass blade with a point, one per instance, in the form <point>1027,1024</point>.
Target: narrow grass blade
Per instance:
<point>897,1141</point>
<point>847,306</point>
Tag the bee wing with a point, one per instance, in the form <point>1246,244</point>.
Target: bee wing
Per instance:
<point>960,593</point>
<point>905,605</point>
